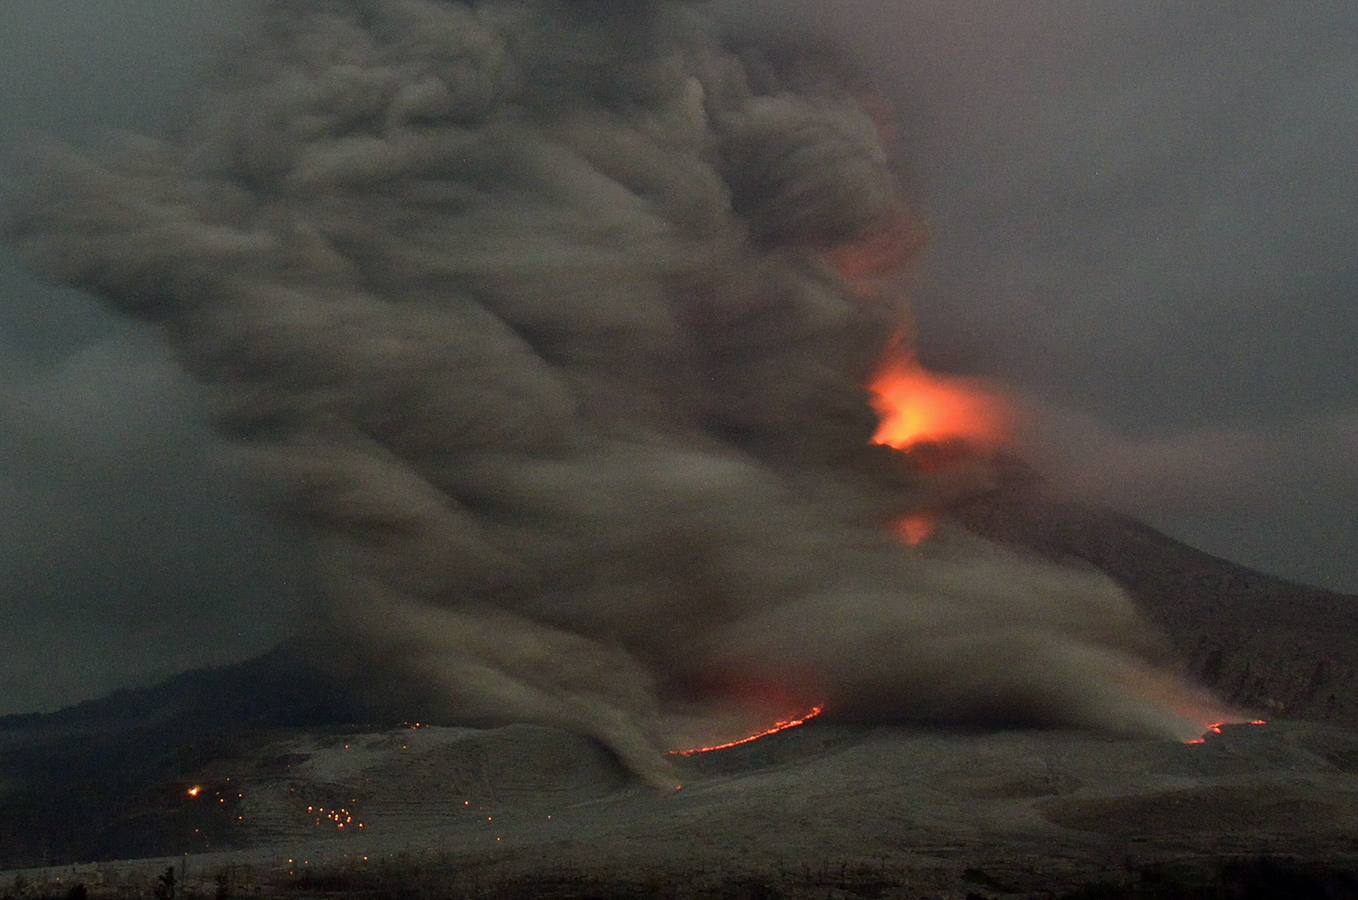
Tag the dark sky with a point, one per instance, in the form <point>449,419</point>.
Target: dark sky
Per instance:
<point>1144,222</point>
<point>126,554</point>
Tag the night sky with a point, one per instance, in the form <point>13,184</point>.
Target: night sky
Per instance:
<point>1143,222</point>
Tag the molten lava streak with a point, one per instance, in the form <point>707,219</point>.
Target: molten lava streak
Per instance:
<point>919,407</point>
<point>1215,728</point>
<point>776,728</point>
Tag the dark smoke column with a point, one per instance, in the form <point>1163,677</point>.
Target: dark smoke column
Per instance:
<point>524,313</point>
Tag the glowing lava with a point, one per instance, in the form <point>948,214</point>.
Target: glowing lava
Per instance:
<point>776,728</point>
<point>1215,728</point>
<point>919,407</point>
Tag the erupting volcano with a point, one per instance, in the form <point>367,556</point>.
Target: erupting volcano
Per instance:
<point>545,324</point>
<point>567,341</point>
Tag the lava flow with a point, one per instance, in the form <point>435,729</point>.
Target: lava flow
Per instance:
<point>919,407</point>
<point>776,728</point>
<point>1215,728</point>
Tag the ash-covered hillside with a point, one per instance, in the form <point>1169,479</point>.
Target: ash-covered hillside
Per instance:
<point>1256,641</point>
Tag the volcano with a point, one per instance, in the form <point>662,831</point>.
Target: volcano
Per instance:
<point>555,332</point>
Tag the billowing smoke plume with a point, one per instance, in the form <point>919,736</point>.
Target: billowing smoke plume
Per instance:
<point>532,315</point>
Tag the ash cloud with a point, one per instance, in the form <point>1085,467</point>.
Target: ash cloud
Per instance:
<point>521,313</point>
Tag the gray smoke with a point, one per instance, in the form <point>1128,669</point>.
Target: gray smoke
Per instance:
<point>520,311</point>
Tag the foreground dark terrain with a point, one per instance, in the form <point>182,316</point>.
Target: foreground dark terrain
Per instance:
<point>283,758</point>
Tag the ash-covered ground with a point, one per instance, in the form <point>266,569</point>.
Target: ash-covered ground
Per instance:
<point>868,811</point>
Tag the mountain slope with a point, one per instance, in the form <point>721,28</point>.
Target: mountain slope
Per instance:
<point>1255,640</point>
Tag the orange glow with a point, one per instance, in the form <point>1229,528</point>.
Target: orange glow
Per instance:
<point>917,529</point>
<point>195,790</point>
<point>918,407</point>
<point>776,728</point>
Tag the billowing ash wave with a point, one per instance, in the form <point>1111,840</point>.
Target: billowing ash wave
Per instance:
<point>521,311</point>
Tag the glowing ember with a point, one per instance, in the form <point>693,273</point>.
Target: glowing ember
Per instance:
<point>917,529</point>
<point>918,407</point>
<point>195,790</point>
<point>776,728</point>
<point>340,818</point>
